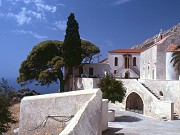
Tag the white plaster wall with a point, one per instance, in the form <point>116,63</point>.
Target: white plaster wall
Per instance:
<point>152,106</point>
<point>170,90</point>
<point>34,109</point>
<point>99,69</point>
<point>171,72</point>
<point>105,114</point>
<point>84,83</point>
<point>87,121</point>
<point>148,58</point>
<point>111,57</point>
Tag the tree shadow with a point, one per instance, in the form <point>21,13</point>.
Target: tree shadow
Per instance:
<point>126,119</point>
<point>112,131</point>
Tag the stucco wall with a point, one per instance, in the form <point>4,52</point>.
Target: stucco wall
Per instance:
<point>99,69</point>
<point>87,120</point>
<point>111,59</point>
<point>33,110</point>
<point>84,83</point>
<point>170,90</point>
<point>148,61</point>
<point>152,106</point>
<point>171,72</point>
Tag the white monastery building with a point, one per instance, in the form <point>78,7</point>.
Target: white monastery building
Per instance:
<point>152,83</point>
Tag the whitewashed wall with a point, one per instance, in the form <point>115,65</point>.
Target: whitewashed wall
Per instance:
<point>148,61</point>
<point>111,59</point>
<point>171,72</point>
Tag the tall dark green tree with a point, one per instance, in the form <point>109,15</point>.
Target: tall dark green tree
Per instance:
<point>112,89</point>
<point>176,58</point>
<point>72,43</point>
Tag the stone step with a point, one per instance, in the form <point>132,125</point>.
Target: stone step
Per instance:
<point>164,119</point>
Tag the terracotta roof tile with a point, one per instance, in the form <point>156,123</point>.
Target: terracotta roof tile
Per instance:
<point>171,48</point>
<point>126,51</point>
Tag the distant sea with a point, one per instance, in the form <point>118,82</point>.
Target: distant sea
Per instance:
<point>53,88</point>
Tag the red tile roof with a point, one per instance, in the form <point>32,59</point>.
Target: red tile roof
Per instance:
<point>126,51</point>
<point>171,48</point>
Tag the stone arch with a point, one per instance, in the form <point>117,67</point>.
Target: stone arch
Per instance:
<point>134,103</point>
<point>161,93</point>
<point>127,75</point>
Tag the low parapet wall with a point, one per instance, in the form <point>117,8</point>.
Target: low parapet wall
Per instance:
<point>85,105</point>
<point>87,120</point>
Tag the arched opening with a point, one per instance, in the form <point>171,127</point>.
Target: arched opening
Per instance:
<point>161,93</point>
<point>127,75</point>
<point>115,61</point>
<point>134,103</point>
<point>134,61</point>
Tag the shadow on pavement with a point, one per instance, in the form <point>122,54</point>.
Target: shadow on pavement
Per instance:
<point>112,131</point>
<point>127,119</point>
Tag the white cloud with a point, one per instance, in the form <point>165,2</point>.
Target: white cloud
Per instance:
<point>61,4</point>
<point>28,11</point>
<point>41,7</point>
<point>25,16</point>
<point>60,25</point>
<point>35,35</point>
<point>119,2</point>
<point>21,17</point>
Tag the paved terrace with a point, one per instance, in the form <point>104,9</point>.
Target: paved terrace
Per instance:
<point>130,123</point>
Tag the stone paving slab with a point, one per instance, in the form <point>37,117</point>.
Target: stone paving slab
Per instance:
<point>130,123</point>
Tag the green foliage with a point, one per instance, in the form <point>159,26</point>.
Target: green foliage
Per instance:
<point>72,43</point>
<point>176,58</point>
<point>43,64</point>
<point>112,89</point>
<point>6,118</point>
<point>88,51</point>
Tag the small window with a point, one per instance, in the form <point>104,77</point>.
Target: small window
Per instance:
<point>134,61</point>
<point>114,71</point>
<point>90,72</point>
<point>160,93</point>
<point>115,61</point>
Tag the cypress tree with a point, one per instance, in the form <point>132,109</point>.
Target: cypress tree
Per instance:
<point>72,43</point>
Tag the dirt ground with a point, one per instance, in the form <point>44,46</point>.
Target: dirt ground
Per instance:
<point>15,109</point>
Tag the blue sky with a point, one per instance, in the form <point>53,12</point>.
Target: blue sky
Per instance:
<point>110,24</point>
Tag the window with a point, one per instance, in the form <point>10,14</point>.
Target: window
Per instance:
<point>134,61</point>
<point>115,61</point>
<point>91,72</point>
<point>114,71</point>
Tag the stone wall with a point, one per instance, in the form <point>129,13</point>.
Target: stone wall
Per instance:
<point>87,121</point>
<point>151,105</point>
<point>169,89</point>
<point>148,61</point>
<point>84,83</point>
<point>34,110</point>
<point>171,72</point>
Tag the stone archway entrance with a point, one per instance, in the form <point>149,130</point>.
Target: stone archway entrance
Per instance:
<point>127,75</point>
<point>134,103</point>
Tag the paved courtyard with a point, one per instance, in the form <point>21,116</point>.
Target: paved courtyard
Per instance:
<point>130,123</point>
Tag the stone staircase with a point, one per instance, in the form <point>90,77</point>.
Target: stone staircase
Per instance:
<point>151,91</point>
<point>176,116</point>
